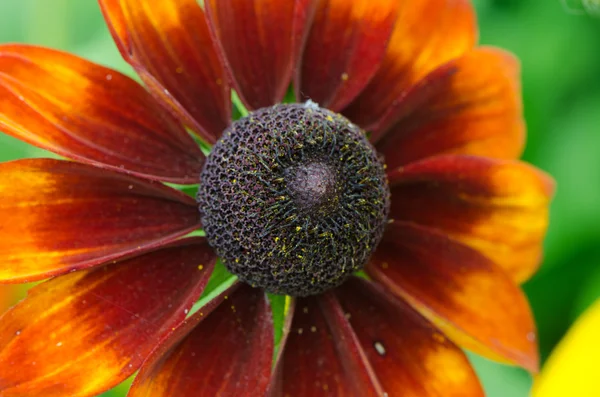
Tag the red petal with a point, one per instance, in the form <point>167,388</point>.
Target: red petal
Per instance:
<point>169,45</point>
<point>59,216</point>
<point>498,207</point>
<point>276,383</point>
<point>469,106</point>
<point>322,356</point>
<point>411,358</point>
<point>344,49</point>
<point>427,34</point>
<point>259,42</point>
<point>228,354</point>
<point>82,333</point>
<point>87,112</point>
<point>463,293</point>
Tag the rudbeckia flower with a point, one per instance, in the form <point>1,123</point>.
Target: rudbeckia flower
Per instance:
<point>362,190</point>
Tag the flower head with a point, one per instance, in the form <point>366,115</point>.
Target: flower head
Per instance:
<point>365,171</point>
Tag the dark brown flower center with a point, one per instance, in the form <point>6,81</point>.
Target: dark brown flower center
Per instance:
<point>294,199</point>
<point>313,186</point>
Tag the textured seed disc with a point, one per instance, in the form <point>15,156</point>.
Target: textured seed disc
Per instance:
<point>294,199</point>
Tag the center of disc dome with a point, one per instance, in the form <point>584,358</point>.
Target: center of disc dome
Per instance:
<point>294,199</point>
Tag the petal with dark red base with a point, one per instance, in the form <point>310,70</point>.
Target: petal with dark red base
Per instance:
<point>229,353</point>
<point>322,357</point>
<point>82,333</point>
<point>427,34</point>
<point>59,216</point>
<point>410,357</point>
<point>87,112</point>
<point>259,42</point>
<point>498,207</point>
<point>470,299</point>
<point>346,43</point>
<point>469,106</point>
<point>168,44</point>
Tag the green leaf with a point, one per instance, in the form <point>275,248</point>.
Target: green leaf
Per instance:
<point>220,280</point>
<point>239,110</point>
<point>280,307</point>
<point>500,380</point>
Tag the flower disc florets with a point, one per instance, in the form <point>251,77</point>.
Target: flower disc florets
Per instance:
<point>294,199</point>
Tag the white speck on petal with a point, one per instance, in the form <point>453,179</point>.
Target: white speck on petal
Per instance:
<point>380,348</point>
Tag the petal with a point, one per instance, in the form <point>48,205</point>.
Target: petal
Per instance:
<point>228,354</point>
<point>276,383</point>
<point>469,106</point>
<point>169,45</point>
<point>10,294</point>
<point>410,357</point>
<point>344,48</point>
<point>498,207</point>
<point>322,356</point>
<point>84,332</point>
<point>59,216</point>
<point>464,294</point>
<point>89,113</point>
<point>259,41</point>
<point>572,369</point>
<point>427,34</point>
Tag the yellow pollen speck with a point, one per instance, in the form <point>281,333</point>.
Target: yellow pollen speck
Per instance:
<point>233,308</point>
<point>200,267</point>
<point>276,239</point>
<point>344,76</point>
<point>305,309</point>
<point>325,387</point>
<point>226,297</point>
<point>237,260</point>
<point>179,70</point>
<point>298,228</point>
<point>385,265</point>
<point>313,329</point>
<point>300,330</point>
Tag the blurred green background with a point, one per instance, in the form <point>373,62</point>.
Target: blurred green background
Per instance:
<point>560,53</point>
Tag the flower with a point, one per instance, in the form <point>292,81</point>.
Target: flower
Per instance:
<point>435,207</point>
<point>570,369</point>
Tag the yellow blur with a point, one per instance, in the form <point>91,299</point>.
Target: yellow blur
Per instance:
<point>573,369</point>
